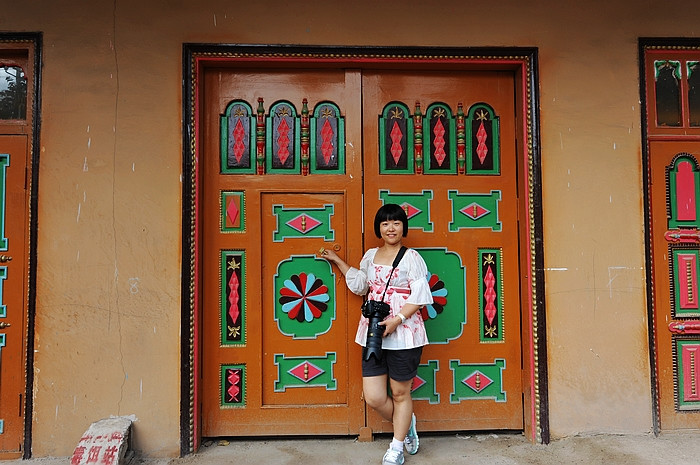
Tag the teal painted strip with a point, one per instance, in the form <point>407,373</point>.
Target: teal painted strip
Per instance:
<point>4,163</point>
<point>3,307</point>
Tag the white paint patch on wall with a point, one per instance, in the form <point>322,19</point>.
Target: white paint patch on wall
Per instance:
<point>623,278</point>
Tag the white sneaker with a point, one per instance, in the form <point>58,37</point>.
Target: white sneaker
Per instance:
<point>411,441</point>
<point>393,457</point>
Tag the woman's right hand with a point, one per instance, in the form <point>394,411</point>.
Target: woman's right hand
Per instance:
<point>333,257</point>
<point>329,255</point>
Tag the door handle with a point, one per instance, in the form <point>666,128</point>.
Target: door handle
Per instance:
<point>5,258</point>
<point>4,325</point>
<point>336,247</point>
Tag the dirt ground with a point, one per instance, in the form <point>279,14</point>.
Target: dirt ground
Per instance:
<point>679,448</point>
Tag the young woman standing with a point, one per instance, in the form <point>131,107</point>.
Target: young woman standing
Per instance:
<point>404,333</point>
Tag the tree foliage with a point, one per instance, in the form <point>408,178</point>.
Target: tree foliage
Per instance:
<point>13,95</point>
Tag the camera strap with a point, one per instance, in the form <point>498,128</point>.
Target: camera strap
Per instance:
<point>398,258</point>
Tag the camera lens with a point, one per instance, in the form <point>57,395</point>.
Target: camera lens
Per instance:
<point>376,312</point>
<point>373,346</point>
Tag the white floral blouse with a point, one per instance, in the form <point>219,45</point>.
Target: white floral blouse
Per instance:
<point>409,284</point>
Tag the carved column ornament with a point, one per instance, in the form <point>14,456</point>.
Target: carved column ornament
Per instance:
<point>418,138</point>
<point>260,138</point>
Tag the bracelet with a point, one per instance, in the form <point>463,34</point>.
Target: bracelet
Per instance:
<point>400,315</point>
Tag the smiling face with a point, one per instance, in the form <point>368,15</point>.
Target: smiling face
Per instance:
<point>390,213</point>
<point>391,231</point>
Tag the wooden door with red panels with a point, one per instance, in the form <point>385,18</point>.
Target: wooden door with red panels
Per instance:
<point>442,145</point>
<point>673,128</point>
<point>282,178</point>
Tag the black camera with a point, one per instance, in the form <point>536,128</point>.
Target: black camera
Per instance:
<point>375,311</point>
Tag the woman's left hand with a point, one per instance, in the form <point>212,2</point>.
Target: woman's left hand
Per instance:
<point>390,325</point>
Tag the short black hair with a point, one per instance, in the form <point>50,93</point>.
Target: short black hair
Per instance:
<point>390,212</point>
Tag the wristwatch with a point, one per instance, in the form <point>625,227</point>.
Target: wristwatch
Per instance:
<point>400,315</point>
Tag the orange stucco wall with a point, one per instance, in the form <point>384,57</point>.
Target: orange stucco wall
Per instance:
<point>108,292</point>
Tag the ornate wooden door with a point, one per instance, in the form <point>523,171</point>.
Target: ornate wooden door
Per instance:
<point>676,248</point>
<point>442,145</point>
<point>17,126</point>
<point>277,351</point>
<point>278,324</point>
<point>673,143</point>
<point>13,291</point>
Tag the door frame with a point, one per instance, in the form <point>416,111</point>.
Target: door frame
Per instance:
<point>31,43</point>
<point>523,62</point>
<point>646,44</point>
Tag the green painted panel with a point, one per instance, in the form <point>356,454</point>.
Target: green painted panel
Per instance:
<point>446,324</point>
<point>304,297</point>
<point>303,372</point>
<point>475,211</point>
<point>416,205</point>
<point>477,381</point>
<point>303,223</point>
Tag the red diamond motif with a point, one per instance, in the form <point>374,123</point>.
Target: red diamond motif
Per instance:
<point>439,142</point>
<point>238,145</point>
<point>283,141</point>
<point>474,211</point>
<point>410,210</point>
<point>232,212</point>
<point>481,150</point>
<point>477,381</point>
<point>490,295</point>
<point>306,371</point>
<point>417,382</point>
<point>327,144</point>
<point>234,297</point>
<point>303,223</point>
<point>396,142</point>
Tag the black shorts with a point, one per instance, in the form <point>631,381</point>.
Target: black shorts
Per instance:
<point>400,365</point>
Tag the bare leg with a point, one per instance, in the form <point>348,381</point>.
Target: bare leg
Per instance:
<point>403,407</point>
<point>396,409</point>
<point>376,396</point>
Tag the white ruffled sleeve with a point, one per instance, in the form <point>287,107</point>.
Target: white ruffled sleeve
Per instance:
<point>357,279</point>
<point>418,280</point>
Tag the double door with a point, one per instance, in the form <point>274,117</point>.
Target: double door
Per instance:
<point>298,160</point>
